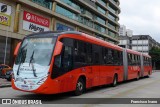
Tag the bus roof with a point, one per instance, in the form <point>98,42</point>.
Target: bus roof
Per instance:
<point>146,55</point>
<point>102,42</point>
<point>91,38</point>
<point>133,52</point>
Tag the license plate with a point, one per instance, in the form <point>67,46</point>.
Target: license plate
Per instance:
<point>25,87</point>
<point>20,79</point>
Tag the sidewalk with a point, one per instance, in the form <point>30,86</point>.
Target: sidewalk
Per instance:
<point>4,83</point>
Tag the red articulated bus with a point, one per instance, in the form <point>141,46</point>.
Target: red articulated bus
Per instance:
<point>57,62</point>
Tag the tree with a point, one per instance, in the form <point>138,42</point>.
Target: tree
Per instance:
<point>155,54</point>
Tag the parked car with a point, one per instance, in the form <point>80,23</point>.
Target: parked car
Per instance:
<point>8,75</point>
<point>3,69</point>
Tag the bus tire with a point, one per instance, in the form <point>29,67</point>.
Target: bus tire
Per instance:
<point>115,81</point>
<point>148,74</point>
<point>138,76</point>
<point>80,87</point>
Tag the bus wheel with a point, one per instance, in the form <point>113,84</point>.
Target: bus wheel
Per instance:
<point>80,87</point>
<point>115,80</point>
<point>148,74</point>
<point>138,76</point>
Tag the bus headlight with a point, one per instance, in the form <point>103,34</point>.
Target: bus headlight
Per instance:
<point>42,81</point>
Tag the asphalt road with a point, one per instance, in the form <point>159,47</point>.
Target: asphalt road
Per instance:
<point>144,88</point>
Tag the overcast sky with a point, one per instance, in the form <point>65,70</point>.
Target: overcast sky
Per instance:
<point>141,16</point>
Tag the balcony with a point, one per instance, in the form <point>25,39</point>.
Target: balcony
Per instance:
<point>111,26</point>
<point>87,14</point>
<point>66,13</point>
<point>115,4</point>
<point>111,17</point>
<point>43,3</point>
<point>70,3</point>
<point>101,2</point>
<point>110,9</point>
<point>114,35</point>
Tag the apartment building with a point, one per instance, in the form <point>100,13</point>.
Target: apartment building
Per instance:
<point>18,18</point>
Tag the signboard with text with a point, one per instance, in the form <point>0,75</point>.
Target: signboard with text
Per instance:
<point>35,23</point>
<point>5,14</point>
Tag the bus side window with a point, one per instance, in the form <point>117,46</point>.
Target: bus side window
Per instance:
<point>89,53</point>
<point>129,59</point>
<point>80,53</point>
<point>120,58</point>
<point>105,55</point>
<point>116,58</point>
<point>110,56</point>
<point>67,59</point>
<point>144,61</point>
<point>67,55</point>
<point>96,56</point>
<point>64,62</point>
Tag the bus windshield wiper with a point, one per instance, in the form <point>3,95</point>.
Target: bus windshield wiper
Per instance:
<point>31,62</point>
<point>21,53</point>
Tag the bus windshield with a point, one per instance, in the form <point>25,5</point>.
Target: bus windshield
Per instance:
<point>36,50</point>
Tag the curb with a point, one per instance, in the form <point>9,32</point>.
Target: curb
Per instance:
<point>6,85</point>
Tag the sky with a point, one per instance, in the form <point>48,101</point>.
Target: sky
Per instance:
<point>141,16</point>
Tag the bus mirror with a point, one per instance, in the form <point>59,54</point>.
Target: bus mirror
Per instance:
<point>16,49</point>
<point>58,48</point>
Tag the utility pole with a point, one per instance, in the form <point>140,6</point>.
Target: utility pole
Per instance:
<point>6,45</point>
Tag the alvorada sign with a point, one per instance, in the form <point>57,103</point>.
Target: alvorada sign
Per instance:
<point>35,23</point>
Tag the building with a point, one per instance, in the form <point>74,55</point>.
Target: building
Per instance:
<point>21,17</point>
<point>141,43</point>
<point>125,37</point>
<point>129,33</point>
<point>125,42</point>
<point>122,30</point>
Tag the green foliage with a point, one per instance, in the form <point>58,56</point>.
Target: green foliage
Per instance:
<point>155,54</point>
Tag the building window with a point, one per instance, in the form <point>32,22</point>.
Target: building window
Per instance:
<point>66,13</point>
<point>111,34</point>
<point>71,3</point>
<point>88,13</point>
<point>111,26</point>
<point>85,21</point>
<point>112,10</point>
<point>102,2</point>
<point>111,17</point>
<point>43,3</point>
<point>62,27</point>
<point>102,21</point>
<point>101,10</point>
<point>100,28</point>
<point>99,36</point>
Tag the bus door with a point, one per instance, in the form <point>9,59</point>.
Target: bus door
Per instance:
<point>142,65</point>
<point>64,65</point>
<point>130,67</point>
<point>83,60</point>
